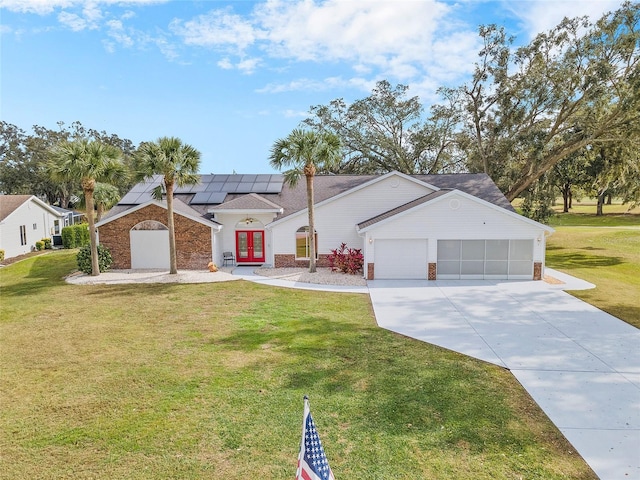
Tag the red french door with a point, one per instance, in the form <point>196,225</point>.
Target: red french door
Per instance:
<point>250,246</point>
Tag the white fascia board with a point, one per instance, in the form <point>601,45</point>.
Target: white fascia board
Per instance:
<point>239,211</point>
<point>47,207</point>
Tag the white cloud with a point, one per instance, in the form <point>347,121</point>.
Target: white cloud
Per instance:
<point>73,21</point>
<point>117,32</point>
<point>543,15</point>
<point>45,7</point>
<point>316,85</point>
<point>289,113</point>
<point>248,65</point>
<point>218,28</point>
<point>40,7</point>
<point>225,64</point>
<point>400,40</point>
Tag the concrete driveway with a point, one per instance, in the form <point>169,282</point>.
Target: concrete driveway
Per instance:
<point>581,365</point>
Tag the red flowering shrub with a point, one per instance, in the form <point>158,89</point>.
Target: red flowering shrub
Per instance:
<point>346,260</point>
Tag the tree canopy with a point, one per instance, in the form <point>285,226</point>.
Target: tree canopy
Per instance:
<point>24,158</point>
<point>572,90</point>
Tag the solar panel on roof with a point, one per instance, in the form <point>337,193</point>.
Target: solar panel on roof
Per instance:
<point>200,198</point>
<point>205,198</point>
<point>129,198</point>
<point>212,189</point>
<point>138,188</point>
<point>151,185</point>
<point>274,187</point>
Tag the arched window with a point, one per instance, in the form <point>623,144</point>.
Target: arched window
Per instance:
<point>303,243</point>
<point>149,225</point>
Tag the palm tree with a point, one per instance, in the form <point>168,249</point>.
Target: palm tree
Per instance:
<point>178,164</point>
<point>306,151</point>
<point>105,196</point>
<point>87,161</point>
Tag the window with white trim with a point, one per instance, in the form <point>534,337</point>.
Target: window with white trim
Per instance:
<point>23,234</point>
<point>303,243</point>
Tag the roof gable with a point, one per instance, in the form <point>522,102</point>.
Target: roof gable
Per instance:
<point>250,202</point>
<point>435,198</point>
<point>10,203</point>
<point>325,191</point>
<point>179,208</point>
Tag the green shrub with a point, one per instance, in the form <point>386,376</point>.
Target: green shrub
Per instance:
<point>68,238</point>
<point>75,236</point>
<point>82,234</point>
<point>39,245</point>
<point>47,243</point>
<point>84,259</point>
<point>1,255</point>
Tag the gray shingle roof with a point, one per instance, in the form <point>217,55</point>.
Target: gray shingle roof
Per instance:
<point>9,204</point>
<point>293,199</point>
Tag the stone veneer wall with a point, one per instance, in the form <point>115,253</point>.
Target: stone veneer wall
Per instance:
<point>283,260</point>
<point>193,239</point>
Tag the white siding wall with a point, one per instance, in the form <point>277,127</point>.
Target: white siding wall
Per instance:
<point>336,221</point>
<point>28,214</point>
<point>442,220</point>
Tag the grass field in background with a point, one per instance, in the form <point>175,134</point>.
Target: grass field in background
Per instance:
<point>604,250</point>
<point>206,381</point>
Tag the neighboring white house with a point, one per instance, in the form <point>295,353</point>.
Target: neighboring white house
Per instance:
<point>24,220</point>
<point>457,226</point>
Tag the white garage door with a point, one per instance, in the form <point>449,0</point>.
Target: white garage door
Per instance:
<point>149,249</point>
<point>400,259</point>
<point>485,259</point>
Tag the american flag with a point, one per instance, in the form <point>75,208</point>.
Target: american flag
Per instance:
<point>312,462</point>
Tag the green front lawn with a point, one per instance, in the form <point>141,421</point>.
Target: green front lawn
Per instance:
<point>206,381</point>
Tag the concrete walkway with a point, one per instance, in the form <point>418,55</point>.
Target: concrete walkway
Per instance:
<point>581,365</point>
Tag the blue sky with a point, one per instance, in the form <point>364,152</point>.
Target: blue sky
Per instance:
<point>231,77</point>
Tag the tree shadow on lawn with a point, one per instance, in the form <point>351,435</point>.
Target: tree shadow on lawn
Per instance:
<point>45,272</point>
<point>400,386</point>
<point>573,259</point>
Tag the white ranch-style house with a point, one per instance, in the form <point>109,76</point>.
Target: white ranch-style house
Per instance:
<point>25,220</point>
<point>457,226</point>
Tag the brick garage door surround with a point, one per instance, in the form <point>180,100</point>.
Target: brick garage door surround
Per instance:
<point>193,239</point>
